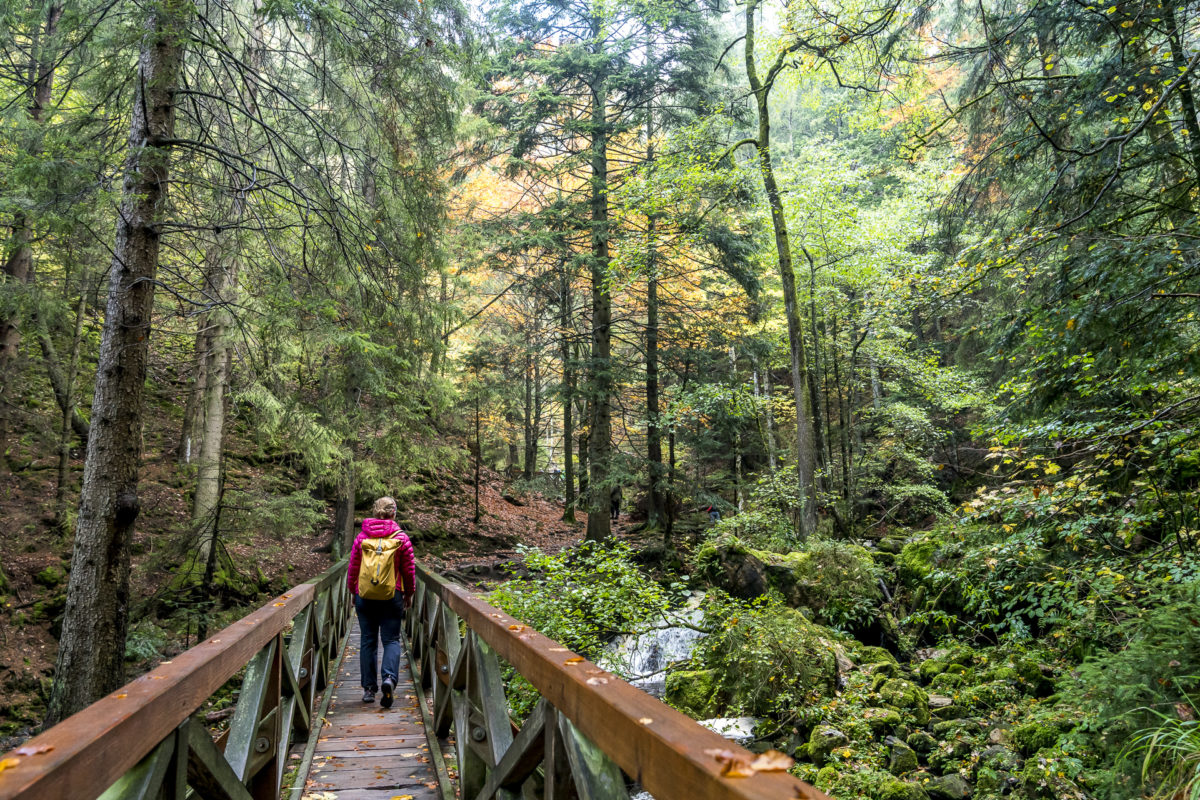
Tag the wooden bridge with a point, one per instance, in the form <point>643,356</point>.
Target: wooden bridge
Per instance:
<point>301,732</point>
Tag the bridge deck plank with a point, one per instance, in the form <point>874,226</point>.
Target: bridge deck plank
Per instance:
<point>366,752</point>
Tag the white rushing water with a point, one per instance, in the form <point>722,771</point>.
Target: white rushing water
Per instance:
<point>646,656</point>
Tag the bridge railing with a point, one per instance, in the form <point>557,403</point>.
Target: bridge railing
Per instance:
<point>589,731</point>
<point>143,741</point>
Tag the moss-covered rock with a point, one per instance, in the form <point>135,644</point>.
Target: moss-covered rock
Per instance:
<point>901,757</point>
<point>823,741</point>
<point>947,682</point>
<point>915,561</point>
<point>826,778</point>
<point>881,721</point>
<point>875,655</point>
<point>694,692</point>
<point>1033,736</point>
<point>921,741</point>
<point>988,696</point>
<point>949,787</point>
<point>900,790</point>
<point>906,696</point>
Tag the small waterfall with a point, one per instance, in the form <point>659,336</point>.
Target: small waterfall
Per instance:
<point>645,657</point>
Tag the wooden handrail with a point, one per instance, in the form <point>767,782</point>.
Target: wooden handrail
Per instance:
<point>654,744</point>
<point>81,757</point>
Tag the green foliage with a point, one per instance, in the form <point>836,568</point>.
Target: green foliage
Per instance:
<point>582,597</point>
<point>769,659</point>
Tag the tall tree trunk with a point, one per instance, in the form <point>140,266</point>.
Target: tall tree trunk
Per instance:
<point>192,431</point>
<point>68,412</point>
<point>815,395</point>
<point>530,460</point>
<point>737,439</point>
<point>656,515</point>
<point>208,464</point>
<point>92,647</point>
<point>568,396</point>
<point>805,449</point>
<point>600,379</point>
<point>18,266</point>
<point>478,448</point>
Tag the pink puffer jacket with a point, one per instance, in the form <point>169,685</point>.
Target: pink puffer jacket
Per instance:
<point>406,563</point>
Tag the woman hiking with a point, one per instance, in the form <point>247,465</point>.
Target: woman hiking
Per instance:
<point>383,577</point>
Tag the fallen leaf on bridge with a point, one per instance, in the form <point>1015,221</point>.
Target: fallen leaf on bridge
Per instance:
<point>402,797</point>
<point>597,681</point>
<point>645,720</point>
<point>33,749</point>
<point>9,763</point>
<point>573,660</point>
<point>516,627</point>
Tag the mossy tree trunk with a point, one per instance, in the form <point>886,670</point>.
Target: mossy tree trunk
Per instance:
<point>92,646</point>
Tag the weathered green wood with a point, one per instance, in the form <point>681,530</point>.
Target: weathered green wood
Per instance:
<point>208,773</point>
<point>265,768</point>
<point>596,776</point>
<point>144,781</point>
<point>243,730</point>
<point>487,693</point>
<point>472,771</point>
<point>521,758</point>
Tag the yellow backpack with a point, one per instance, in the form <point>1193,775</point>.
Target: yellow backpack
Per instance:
<point>377,572</point>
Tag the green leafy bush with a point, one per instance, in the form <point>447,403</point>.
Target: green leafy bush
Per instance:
<point>768,658</point>
<point>584,596</point>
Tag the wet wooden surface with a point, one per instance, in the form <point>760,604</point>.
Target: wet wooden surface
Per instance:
<point>367,752</point>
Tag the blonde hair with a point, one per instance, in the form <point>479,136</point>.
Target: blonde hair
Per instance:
<point>384,508</point>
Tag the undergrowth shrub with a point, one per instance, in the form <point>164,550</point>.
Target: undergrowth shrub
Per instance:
<point>580,597</point>
<point>769,660</point>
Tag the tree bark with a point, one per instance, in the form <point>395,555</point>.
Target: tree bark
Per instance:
<point>530,460</point>
<point>568,395</point>
<point>92,647</point>
<point>805,450</point>
<point>599,527</point>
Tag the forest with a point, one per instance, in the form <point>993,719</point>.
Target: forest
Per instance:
<point>866,329</point>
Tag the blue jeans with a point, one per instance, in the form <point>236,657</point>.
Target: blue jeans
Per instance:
<point>379,619</point>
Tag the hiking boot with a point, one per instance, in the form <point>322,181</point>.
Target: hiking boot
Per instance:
<point>369,696</point>
<point>386,700</point>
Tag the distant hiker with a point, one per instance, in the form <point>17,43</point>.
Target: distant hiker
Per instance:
<point>713,514</point>
<point>614,502</point>
<point>383,578</point>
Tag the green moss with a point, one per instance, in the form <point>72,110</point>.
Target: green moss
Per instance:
<point>881,721</point>
<point>826,778</point>
<point>693,692</point>
<point>931,668</point>
<point>947,681</point>
<point>900,790</point>
<point>906,696</point>
<point>915,561</point>
<point>1033,736</point>
<point>823,741</point>
<point>988,696</point>
<point>50,577</point>
<point>874,655</point>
